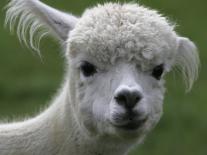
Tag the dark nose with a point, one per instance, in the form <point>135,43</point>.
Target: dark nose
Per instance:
<point>128,98</point>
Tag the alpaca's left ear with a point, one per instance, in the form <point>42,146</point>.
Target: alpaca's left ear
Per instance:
<point>34,17</point>
<point>188,61</point>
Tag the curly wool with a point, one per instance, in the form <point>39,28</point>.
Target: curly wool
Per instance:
<point>125,30</point>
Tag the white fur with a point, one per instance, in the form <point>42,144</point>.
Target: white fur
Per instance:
<point>125,42</point>
<point>59,23</point>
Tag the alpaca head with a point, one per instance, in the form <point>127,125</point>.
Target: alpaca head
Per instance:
<point>118,55</point>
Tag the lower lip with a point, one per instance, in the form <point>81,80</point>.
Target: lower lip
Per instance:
<point>132,125</point>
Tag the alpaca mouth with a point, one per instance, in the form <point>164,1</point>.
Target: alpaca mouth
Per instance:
<point>131,120</point>
<point>132,125</point>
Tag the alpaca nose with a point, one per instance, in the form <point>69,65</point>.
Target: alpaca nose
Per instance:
<point>128,98</point>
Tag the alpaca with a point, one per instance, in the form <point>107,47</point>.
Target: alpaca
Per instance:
<point>116,58</point>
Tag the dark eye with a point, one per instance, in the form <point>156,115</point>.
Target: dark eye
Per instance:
<point>158,71</point>
<point>87,69</point>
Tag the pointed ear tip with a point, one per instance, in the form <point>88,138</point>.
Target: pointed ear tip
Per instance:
<point>186,41</point>
<point>32,19</point>
<point>186,44</point>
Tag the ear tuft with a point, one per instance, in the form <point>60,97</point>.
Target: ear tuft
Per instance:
<point>188,61</point>
<point>33,19</point>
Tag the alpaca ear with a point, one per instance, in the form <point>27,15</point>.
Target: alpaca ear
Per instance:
<point>34,18</point>
<point>188,61</point>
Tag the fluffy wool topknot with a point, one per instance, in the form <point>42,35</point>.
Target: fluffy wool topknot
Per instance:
<point>125,30</point>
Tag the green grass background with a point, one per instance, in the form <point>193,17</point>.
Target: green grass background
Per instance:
<point>27,83</point>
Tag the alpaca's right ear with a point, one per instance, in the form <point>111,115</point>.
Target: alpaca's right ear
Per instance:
<point>34,17</point>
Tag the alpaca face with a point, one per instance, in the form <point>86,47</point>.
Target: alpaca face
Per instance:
<point>119,67</point>
<point>118,61</point>
<point>118,98</point>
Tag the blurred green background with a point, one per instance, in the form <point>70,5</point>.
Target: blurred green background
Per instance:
<point>27,83</point>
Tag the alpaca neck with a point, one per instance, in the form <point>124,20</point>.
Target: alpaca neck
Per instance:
<point>56,132</point>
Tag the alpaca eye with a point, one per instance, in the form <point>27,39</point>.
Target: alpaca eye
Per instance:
<point>158,71</point>
<point>87,69</point>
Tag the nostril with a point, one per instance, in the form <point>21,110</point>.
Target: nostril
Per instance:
<point>121,98</point>
<point>137,96</point>
<point>128,98</point>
